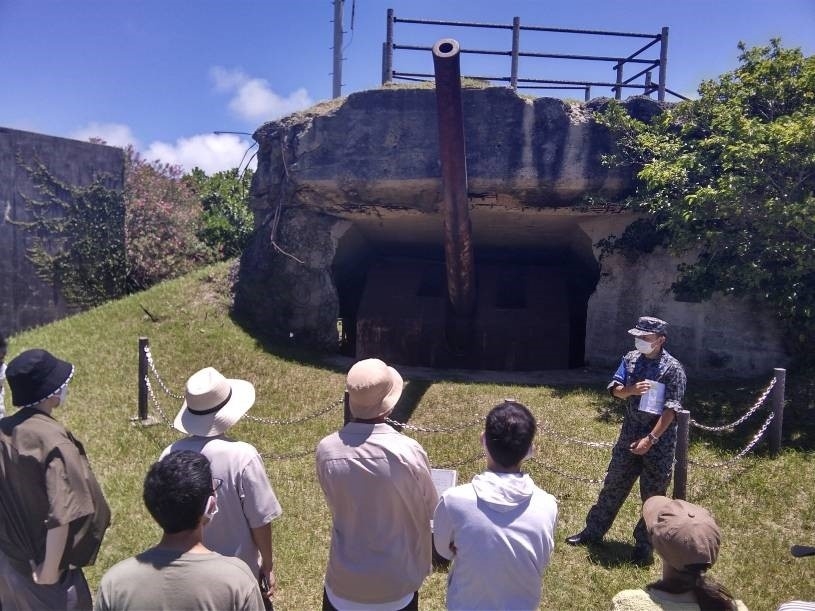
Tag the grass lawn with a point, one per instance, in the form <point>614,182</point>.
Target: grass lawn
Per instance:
<point>763,505</point>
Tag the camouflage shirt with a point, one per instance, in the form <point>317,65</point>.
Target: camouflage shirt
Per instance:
<point>636,367</point>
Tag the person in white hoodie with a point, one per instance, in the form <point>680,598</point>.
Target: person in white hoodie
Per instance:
<point>499,529</point>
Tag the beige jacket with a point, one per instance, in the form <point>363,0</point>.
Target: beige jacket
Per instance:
<point>378,487</point>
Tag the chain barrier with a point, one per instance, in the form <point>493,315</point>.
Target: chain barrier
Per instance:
<point>402,426</point>
<point>166,421</point>
<point>729,463</point>
<point>161,383</point>
<point>424,429</point>
<point>561,437</point>
<point>574,478</point>
<point>729,427</point>
<point>296,420</point>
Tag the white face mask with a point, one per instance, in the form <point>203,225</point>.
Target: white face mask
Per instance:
<point>643,346</point>
<point>63,395</point>
<point>212,508</point>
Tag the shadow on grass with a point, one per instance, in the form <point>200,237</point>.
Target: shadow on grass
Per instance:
<point>411,397</point>
<point>610,554</point>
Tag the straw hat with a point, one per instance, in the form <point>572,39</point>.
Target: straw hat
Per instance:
<point>373,389</point>
<point>213,403</point>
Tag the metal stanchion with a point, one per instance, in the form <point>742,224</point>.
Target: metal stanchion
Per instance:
<point>778,410</point>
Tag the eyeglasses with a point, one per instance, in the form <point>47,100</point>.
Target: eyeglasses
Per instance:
<point>216,483</point>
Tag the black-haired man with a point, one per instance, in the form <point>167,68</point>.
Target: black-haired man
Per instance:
<point>653,384</point>
<point>499,528</point>
<point>53,514</point>
<point>180,572</point>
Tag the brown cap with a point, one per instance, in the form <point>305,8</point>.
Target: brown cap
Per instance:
<point>682,533</point>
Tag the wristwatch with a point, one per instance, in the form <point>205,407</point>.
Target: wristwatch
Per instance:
<point>653,438</point>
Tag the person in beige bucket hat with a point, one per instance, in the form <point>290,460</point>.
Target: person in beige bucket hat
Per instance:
<point>246,502</point>
<point>378,488</point>
<point>687,538</point>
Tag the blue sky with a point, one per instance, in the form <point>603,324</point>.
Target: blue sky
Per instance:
<point>164,74</point>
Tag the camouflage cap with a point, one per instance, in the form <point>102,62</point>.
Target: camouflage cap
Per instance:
<point>646,325</point>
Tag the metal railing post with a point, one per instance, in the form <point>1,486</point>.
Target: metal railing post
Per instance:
<point>663,63</point>
<point>648,84</point>
<point>336,76</point>
<point>587,94</point>
<point>346,409</point>
<point>143,344</point>
<point>618,90</point>
<point>516,44</point>
<point>778,409</point>
<point>387,51</point>
<point>681,456</point>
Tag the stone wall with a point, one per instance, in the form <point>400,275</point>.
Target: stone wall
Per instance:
<point>349,184</point>
<point>25,300</point>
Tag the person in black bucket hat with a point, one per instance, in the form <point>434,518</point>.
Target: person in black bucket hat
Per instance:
<point>53,514</point>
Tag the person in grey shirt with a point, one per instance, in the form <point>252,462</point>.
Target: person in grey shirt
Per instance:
<point>180,572</point>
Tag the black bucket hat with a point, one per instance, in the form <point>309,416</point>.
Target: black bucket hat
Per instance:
<point>35,375</point>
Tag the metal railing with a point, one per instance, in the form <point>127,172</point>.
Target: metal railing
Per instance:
<point>389,73</point>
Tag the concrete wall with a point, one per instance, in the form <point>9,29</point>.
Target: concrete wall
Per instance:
<point>26,301</point>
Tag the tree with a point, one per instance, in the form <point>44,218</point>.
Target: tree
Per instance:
<point>162,217</point>
<point>227,222</point>
<point>731,177</point>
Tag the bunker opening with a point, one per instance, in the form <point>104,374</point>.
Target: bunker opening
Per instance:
<point>534,273</point>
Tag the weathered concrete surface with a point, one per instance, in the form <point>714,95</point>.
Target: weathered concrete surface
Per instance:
<point>26,301</point>
<point>357,182</point>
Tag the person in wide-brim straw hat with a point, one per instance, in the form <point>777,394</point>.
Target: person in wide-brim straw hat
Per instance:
<point>246,502</point>
<point>213,403</point>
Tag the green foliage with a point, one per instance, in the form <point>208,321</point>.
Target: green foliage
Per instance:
<point>78,243</point>
<point>161,224</point>
<point>227,222</point>
<point>731,177</point>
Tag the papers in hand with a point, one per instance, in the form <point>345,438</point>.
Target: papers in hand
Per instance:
<point>443,479</point>
<point>653,401</point>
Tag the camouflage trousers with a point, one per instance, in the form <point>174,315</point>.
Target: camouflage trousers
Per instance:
<point>654,470</point>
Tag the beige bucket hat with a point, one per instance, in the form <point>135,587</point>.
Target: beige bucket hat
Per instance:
<point>373,389</point>
<point>213,403</point>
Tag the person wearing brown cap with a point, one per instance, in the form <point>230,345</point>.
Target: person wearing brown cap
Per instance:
<point>53,514</point>
<point>378,487</point>
<point>652,382</point>
<point>246,502</point>
<point>686,537</point>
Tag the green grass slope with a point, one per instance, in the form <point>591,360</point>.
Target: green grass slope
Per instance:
<point>763,505</point>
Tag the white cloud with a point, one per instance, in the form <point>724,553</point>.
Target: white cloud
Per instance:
<point>253,99</point>
<point>210,152</point>
<point>114,134</point>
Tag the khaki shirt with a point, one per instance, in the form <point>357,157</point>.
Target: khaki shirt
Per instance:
<point>46,482</point>
<point>378,487</point>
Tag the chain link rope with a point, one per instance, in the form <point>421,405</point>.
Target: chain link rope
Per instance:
<point>569,476</point>
<point>567,439</point>
<point>424,429</point>
<point>296,419</point>
<point>729,427</point>
<point>156,404</point>
<point>729,463</point>
<point>161,383</point>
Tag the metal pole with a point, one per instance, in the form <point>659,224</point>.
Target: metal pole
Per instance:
<point>143,344</point>
<point>618,90</point>
<point>663,63</point>
<point>648,84</point>
<point>516,43</point>
<point>387,51</point>
<point>337,81</point>
<point>458,244</point>
<point>681,456</point>
<point>778,409</point>
<point>346,409</point>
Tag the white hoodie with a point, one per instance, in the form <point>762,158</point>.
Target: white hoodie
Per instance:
<point>501,526</point>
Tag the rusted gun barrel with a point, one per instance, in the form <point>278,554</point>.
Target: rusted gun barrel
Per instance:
<point>458,243</point>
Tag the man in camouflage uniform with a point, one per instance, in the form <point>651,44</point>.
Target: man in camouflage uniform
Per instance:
<point>645,447</point>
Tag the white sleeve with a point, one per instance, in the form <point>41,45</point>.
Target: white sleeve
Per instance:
<point>443,535</point>
<point>260,505</point>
